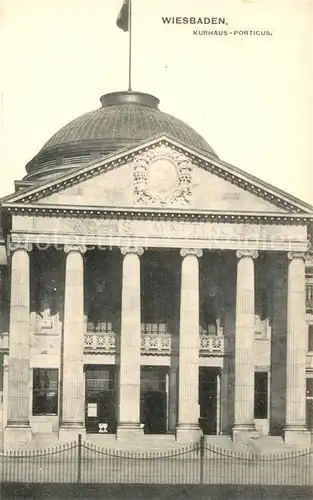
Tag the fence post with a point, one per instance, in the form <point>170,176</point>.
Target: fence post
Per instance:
<point>201,459</point>
<point>79,459</point>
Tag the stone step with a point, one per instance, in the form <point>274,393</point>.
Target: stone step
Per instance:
<point>145,444</point>
<point>41,441</point>
<point>155,443</point>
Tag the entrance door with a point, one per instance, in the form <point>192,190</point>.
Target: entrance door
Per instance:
<point>208,400</point>
<point>153,399</point>
<point>100,399</point>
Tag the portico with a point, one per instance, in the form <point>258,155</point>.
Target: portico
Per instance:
<point>140,308</point>
<point>111,319</point>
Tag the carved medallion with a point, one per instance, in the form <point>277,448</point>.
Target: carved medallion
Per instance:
<point>162,176</point>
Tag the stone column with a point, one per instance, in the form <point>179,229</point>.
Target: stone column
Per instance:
<point>73,383</point>
<point>295,430</point>
<point>172,399</point>
<point>1,299</point>
<point>129,427</point>
<point>19,389</point>
<point>278,272</point>
<point>5,389</point>
<point>189,343</point>
<point>244,347</point>
<point>228,378</point>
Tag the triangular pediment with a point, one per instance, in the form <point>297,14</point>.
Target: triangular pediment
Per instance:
<point>161,174</point>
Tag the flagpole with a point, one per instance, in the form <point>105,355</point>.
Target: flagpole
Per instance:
<point>130,45</point>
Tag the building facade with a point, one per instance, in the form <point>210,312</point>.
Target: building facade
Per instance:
<point>149,288</point>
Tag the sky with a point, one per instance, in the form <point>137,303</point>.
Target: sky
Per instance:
<point>250,96</point>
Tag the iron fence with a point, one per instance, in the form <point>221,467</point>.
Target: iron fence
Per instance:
<point>199,463</point>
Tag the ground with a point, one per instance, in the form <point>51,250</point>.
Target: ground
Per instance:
<point>154,492</point>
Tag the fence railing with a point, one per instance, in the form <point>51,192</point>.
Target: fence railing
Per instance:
<point>83,462</point>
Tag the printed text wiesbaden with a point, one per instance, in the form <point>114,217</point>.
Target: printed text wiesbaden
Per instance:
<point>194,20</point>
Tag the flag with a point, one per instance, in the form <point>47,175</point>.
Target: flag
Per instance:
<point>122,20</point>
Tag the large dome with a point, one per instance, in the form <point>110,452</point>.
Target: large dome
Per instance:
<point>123,119</point>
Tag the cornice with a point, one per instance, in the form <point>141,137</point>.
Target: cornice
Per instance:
<point>155,213</point>
<point>206,161</point>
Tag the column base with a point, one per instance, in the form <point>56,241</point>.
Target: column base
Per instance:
<point>69,432</point>
<point>297,436</point>
<point>242,433</point>
<point>188,433</point>
<point>129,432</point>
<point>15,436</point>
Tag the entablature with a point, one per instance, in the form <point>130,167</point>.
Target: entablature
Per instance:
<point>161,230</point>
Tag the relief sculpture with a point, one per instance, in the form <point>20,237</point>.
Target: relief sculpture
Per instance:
<point>162,176</point>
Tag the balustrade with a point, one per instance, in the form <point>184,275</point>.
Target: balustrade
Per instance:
<point>211,345</point>
<point>156,344</point>
<point>104,343</point>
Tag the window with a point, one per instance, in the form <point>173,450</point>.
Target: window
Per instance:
<point>260,394</point>
<point>261,311</point>
<point>1,372</point>
<point>100,316</point>
<point>208,323</point>
<point>310,338</point>
<point>309,403</point>
<point>45,391</point>
<point>1,377</point>
<point>159,328</point>
<point>309,289</point>
<point>155,297</point>
<point>99,379</point>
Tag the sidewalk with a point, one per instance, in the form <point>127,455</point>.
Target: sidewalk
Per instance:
<point>153,492</point>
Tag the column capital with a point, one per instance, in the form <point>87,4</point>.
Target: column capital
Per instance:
<point>247,253</point>
<point>136,250</point>
<point>20,245</point>
<point>75,248</point>
<point>191,251</point>
<point>296,255</point>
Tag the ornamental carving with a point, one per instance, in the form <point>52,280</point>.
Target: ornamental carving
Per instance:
<point>191,251</point>
<point>162,176</point>
<point>104,343</point>
<point>75,248</point>
<point>252,254</point>
<point>20,245</point>
<point>135,250</point>
<point>296,255</point>
<point>48,294</point>
<point>210,345</point>
<point>156,344</point>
